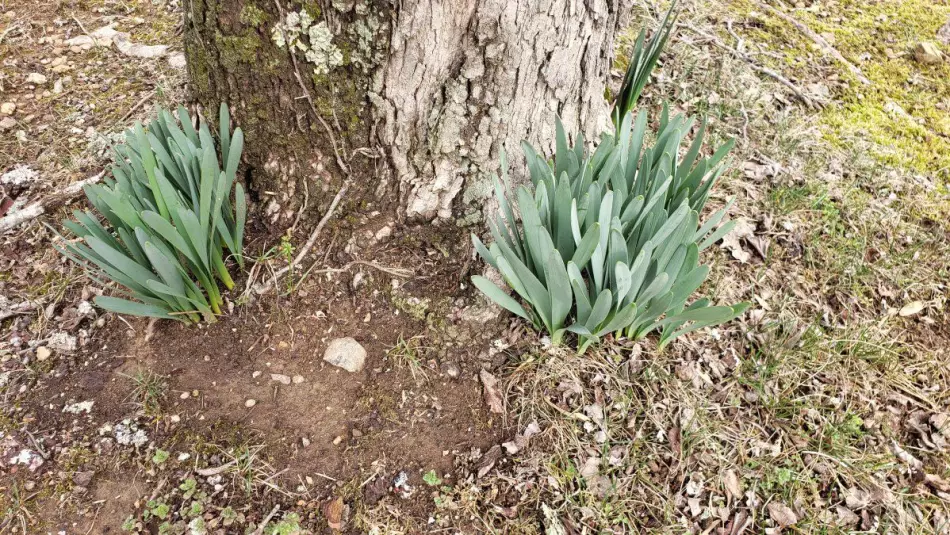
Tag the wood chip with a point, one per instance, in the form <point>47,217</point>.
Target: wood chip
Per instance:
<point>492,394</point>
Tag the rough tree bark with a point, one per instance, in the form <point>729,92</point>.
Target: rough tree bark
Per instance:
<point>435,88</point>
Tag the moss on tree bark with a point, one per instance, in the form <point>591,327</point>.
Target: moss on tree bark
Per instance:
<point>435,88</point>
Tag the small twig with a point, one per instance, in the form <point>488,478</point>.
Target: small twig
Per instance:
<point>94,518</point>
<point>740,43</point>
<point>36,445</point>
<point>260,528</point>
<point>819,40</point>
<point>52,200</point>
<point>24,307</point>
<point>745,124</point>
<point>808,101</point>
<point>7,31</point>
<point>136,106</point>
<point>265,287</point>
<point>326,476</point>
<point>150,329</point>
<point>306,201</point>
<point>396,272</point>
<point>208,472</point>
<point>95,41</point>
<point>158,488</point>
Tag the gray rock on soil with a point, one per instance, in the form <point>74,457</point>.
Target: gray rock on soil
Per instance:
<point>346,353</point>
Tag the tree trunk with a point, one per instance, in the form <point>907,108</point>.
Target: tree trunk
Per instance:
<point>431,90</point>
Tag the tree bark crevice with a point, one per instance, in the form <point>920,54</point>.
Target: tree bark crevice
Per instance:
<point>460,87</point>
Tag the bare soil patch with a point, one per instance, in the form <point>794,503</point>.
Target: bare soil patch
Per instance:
<point>226,387</point>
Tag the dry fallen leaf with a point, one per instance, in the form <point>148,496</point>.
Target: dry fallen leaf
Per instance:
<point>488,460</point>
<point>912,309</point>
<point>731,481</point>
<point>856,498</point>
<point>733,241</point>
<point>782,514</point>
<point>492,394</point>
<point>937,483</point>
<point>591,467</point>
<point>846,517</point>
<point>760,244</point>
<point>334,513</point>
<point>941,422</point>
<point>905,457</point>
<point>674,436</point>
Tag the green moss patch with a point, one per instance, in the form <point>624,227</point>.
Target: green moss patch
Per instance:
<point>903,116</point>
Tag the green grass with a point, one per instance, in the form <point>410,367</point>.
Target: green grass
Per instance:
<point>16,508</point>
<point>148,390</point>
<point>407,353</point>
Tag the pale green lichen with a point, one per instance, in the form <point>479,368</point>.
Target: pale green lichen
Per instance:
<point>317,48</point>
<point>253,15</point>
<point>367,53</point>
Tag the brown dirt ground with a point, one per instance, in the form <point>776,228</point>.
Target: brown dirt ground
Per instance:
<point>380,420</point>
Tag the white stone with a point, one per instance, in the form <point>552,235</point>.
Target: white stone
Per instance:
<point>927,52</point>
<point>35,78</point>
<point>346,353</point>
<point>177,60</point>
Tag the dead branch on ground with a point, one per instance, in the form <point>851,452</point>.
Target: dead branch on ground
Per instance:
<point>47,203</point>
<point>819,40</point>
<point>802,96</point>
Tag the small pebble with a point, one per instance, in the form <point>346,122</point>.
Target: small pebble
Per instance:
<point>337,440</point>
<point>305,441</point>
<point>298,379</point>
<point>250,403</point>
<point>280,378</point>
<point>256,374</point>
<point>43,353</point>
<point>185,395</point>
<point>451,369</point>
